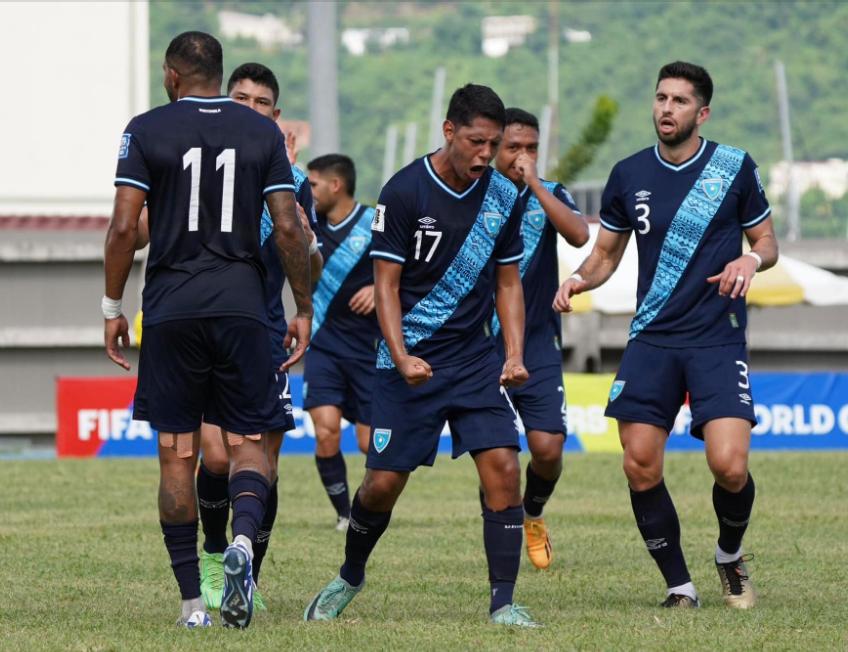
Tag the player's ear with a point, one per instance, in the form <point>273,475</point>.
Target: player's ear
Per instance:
<point>276,114</point>
<point>448,130</point>
<point>703,114</point>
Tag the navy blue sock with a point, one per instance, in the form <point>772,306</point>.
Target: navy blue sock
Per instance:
<point>248,493</point>
<point>733,511</point>
<point>365,529</point>
<point>537,492</point>
<point>263,536</point>
<point>660,528</point>
<point>181,542</point>
<point>502,533</point>
<point>213,498</point>
<point>333,472</point>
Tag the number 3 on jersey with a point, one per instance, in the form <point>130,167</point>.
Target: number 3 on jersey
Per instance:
<point>227,160</point>
<point>642,213</point>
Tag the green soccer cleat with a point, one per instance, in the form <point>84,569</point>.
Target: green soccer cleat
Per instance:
<point>258,602</point>
<point>514,615</point>
<point>212,578</point>
<point>331,600</point>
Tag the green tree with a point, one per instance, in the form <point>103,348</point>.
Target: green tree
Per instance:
<point>580,155</point>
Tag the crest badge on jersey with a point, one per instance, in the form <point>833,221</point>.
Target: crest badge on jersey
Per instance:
<point>382,436</point>
<point>616,389</point>
<point>379,221</point>
<point>492,222</point>
<point>357,243</point>
<point>536,219</point>
<point>712,188</point>
<point>124,149</point>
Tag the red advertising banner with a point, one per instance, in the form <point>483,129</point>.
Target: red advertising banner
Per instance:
<point>95,418</point>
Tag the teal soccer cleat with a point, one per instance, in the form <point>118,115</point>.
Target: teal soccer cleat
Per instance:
<point>514,615</point>
<point>331,600</point>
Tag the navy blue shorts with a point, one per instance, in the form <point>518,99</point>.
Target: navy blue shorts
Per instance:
<point>218,370</point>
<point>346,383</point>
<point>540,401</point>
<point>407,421</point>
<point>653,381</point>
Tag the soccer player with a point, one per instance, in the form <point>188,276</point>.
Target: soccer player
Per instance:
<point>549,210</point>
<point>339,367</point>
<point>445,245</point>
<point>689,201</point>
<point>204,165</point>
<point>255,86</point>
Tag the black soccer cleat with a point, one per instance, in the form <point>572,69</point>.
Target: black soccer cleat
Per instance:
<point>679,601</point>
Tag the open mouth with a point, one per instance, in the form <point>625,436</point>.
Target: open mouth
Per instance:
<point>667,125</point>
<point>477,170</point>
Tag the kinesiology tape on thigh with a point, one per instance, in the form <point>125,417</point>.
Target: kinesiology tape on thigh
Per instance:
<point>249,483</point>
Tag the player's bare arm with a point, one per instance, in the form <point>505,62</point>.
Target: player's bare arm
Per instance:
<point>316,260</point>
<point>293,248</point>
<point>387,299</point>
<point>362,302</point>
<point>118,259</point>
<point>509,303</point>
<point>595,270</point>
<point>569,225</point>
<point>735,279</point>
<point>142,237</point>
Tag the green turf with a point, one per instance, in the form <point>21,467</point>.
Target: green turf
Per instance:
<point>84,567</point>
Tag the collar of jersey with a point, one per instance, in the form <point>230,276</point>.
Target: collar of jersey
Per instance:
<point>336,227</point>
<point>686,164</point>
<point>524,190</point>
<point>445,186</point>
<point>205,100</point>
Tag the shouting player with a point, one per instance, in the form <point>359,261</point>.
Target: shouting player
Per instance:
<point>689,201</point>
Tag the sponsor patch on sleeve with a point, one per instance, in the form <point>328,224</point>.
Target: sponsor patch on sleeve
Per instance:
<point>379,221</point>
<point>124,149</point>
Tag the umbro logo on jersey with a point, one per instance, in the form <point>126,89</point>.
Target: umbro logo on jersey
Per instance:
<point>616,389</point>
<point>382,436</point>
<point>379,221</point>
<point>712,188</point>
<point>427,222</point>
<point>643,195</point>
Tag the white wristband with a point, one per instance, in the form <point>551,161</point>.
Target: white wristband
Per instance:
<point>576,276</point>
<point>757,257</point>
<point>111,308</point>
<point>313,245</point>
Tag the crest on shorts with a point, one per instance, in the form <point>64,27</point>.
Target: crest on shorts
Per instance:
<point>616,389</point>
<point>382,436</point>
<point>712,188</point>
<point>357,243</point>
<point>492,222</point>
<point>536,219</point>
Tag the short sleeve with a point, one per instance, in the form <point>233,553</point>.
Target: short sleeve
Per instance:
<point>279,176</point>
<point>753,205</point>
<point>303,196</point>
<point>613,213</point>
<point>509,247</point>
<point>390,232</point>
<point>565,197</point>
<point>132,165</point>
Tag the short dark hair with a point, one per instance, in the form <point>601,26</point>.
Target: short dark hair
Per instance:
<point>196,54</point>
<point>338,164</point>
<point>694,74</point>
<point>473,101</point>
<point>258,74</point>
<point>516,116</point>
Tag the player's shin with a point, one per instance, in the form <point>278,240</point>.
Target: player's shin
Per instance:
<point>249,495</point>
<point>214,506</point>
<point>502,535</point>
<point>263,535</point>
<point>181,543</point>
<point>333,473</point>
<point>733,511</point>
<point>365,529</point>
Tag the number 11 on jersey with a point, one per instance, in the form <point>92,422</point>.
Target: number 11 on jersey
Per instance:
<point>226,159</point>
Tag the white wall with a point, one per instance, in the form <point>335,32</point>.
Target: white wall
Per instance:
<point>73,75</point>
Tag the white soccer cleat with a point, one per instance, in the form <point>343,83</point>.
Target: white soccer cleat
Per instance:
<point>196,619</point>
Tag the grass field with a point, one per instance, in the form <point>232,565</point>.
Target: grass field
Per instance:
<point>84,567</point>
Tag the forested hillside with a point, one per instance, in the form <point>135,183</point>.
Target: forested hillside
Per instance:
<point>737,41</point>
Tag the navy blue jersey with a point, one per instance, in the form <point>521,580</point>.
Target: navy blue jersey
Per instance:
<point>688,220</point>
<point>336,329</point>
<point>275,275</point>
<point>539,270</point>
<point>206,165</point>
<point>448,243</point>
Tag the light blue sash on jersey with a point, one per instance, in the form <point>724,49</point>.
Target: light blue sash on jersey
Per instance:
<point>430,313</point>
<point>266,226</point>
<point>339,265</point>
<point>686,230</point>
<point>532,229</point>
